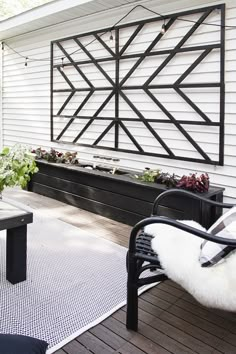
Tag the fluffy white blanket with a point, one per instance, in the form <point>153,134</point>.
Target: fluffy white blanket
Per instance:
<point>179,256</point>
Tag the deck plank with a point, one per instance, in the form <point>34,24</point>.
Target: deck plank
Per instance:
<point>107,336</point>
<point>136,339</point>
<point>204,313</point>
<point>160,294</point>
<point>147,345</point>
<point>194,331</point>
<point>94,344</point>
<point>129,348</point>
<point>157,336</point>
<point>164,340</point>
<point>75,347</point>
<point>170,289</point>
<point>118,327</point>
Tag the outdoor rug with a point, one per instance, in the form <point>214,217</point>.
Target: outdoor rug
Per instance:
<point>74,281</point>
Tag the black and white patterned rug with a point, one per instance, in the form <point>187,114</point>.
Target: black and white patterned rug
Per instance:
<point>74,281</point>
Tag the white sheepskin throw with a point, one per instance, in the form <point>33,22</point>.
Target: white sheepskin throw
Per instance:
<point>179,251</point>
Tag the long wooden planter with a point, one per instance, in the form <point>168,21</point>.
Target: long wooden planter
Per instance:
<point>117,197</point>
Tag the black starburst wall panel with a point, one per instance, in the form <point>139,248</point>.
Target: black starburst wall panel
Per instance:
<point>142,91</point>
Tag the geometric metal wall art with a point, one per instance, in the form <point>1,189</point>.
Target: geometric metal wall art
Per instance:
<point>144,92</point>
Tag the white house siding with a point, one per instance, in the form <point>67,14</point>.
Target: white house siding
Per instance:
<point>26,95</point>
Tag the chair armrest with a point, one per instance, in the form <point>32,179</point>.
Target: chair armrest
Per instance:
<point>175,191</point>
<point>164,220</point>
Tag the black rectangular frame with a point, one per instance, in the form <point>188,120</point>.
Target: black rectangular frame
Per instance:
<point>116,90</point>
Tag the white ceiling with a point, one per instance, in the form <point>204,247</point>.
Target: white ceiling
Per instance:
<point>59,11</point>
<point>55,12</point>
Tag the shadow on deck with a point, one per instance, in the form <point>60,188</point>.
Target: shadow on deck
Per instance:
<point>170,321</point>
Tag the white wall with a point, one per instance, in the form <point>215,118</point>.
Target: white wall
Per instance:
<point>26,96</point>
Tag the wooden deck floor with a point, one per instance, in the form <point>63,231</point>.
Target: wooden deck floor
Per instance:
<point>170,320</point>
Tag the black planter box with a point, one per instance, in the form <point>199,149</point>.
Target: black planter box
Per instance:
<point>117,197</point>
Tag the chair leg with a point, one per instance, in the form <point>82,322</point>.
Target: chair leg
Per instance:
<point>132,295</point>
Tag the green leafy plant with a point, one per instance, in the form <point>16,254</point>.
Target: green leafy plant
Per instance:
<point>148,175</point>
<point>17,164</point>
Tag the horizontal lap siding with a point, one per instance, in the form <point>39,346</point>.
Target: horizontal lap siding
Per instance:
<point>26,100</point>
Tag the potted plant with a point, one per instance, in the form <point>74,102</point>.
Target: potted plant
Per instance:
<point>126,197</point>
<point>17,165</point>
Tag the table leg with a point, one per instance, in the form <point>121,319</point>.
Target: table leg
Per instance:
<point>16,257</point>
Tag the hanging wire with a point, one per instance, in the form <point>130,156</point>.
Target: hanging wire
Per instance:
<point>163,30</point>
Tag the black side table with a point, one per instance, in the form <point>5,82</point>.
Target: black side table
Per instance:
<point>15,220</point>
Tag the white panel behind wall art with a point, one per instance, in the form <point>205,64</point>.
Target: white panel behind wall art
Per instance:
<point>26,96</point>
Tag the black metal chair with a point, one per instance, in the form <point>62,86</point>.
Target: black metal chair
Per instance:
<point>141,257</point>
